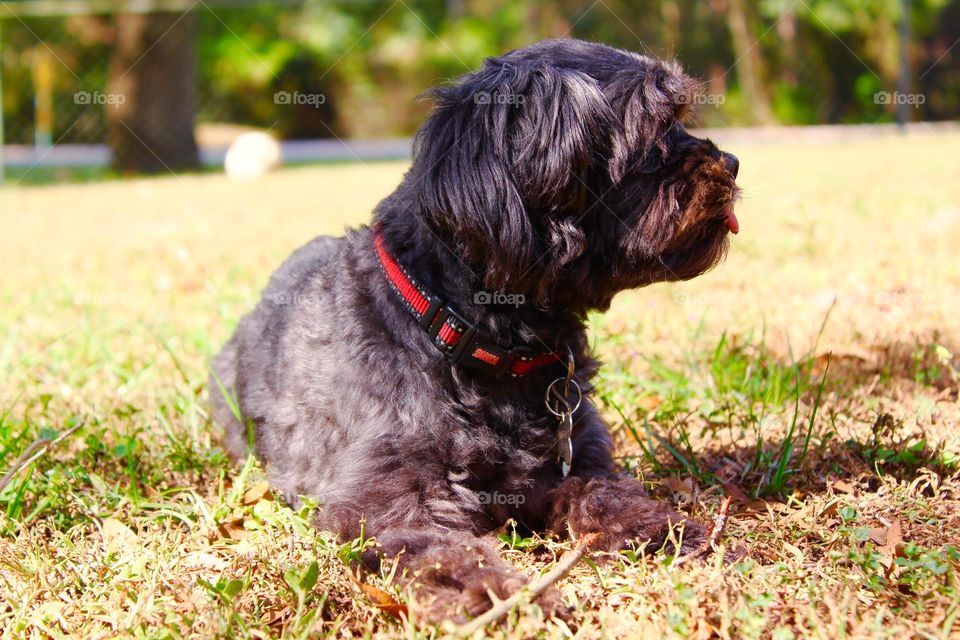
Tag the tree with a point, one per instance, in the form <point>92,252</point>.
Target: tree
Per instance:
<point>153,68</point>
<point>749,63</point>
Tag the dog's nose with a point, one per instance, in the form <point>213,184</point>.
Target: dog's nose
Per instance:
<point>731,163</point>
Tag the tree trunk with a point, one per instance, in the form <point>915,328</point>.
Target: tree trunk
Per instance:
<point>151,99</point>
<point>905,74</point>
<point>749,64</point>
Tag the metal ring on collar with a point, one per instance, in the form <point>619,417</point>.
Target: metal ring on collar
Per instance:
<point>546,400</point>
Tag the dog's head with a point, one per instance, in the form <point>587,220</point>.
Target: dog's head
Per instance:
<point>563,171</point>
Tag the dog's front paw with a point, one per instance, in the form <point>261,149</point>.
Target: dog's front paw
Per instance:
<point>623,516</point>
<point>454,586</point>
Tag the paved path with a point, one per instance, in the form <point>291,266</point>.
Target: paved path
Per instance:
<point>297,151</point>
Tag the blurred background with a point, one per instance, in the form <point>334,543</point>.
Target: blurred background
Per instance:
<point>98,87</point>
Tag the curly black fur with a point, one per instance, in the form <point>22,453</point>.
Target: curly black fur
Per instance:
<point>560,171</point>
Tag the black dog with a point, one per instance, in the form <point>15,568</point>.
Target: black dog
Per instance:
<point>378,378</point>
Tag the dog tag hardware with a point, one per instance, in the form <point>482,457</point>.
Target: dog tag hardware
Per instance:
<point>558,404</point>
<point>566,445</point>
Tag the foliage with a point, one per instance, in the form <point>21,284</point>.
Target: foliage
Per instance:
<point>823,60</point>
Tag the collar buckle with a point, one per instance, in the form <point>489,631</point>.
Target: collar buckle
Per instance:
<point>430,315</point>
<point>473,348</point>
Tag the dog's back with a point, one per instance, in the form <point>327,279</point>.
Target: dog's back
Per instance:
<point>282,289</point>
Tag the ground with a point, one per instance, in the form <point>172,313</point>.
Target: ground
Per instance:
<point>813,377</point>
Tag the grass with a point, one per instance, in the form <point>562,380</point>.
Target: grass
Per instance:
<point>813,377</point>
<point>41,175</point>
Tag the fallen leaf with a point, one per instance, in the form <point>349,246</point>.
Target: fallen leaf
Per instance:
<point>878,535</point>
<point>277,616</point>
<point>683,489</point>
<point>384,601</point>
<point>678,485</point>
<point>799,516</point>
<point>650,402</point>
<point>767,506</point>
<point>794,550</point>
<point>889,541</point>
<point>256,493</point>
<point>851,356</point>
<point>843,487</point>
<point>893,540</point>
<point>830,509</point>
<point>233,529</point>
<point>846,353</point>
<point>115,532</point>
<point>735,492</point>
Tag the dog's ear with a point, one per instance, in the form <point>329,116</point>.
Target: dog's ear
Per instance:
<point>648,103</point>
<point>562,128</point>
<point>506,151</point>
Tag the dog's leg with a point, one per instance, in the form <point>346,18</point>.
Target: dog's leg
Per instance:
<point>221,388</point>
<point>620,510</point>
<point>454,574</point>
<point>596,500</point>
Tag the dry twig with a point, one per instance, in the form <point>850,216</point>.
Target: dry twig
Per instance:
<point>719,523</point>
<point>31,454</point>
<point>531,591</point>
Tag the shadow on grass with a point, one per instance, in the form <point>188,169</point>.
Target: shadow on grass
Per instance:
<point>933,362</point>
<point>767,425</point>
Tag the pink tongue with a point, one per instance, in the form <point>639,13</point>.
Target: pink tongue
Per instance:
<point>732,223</point>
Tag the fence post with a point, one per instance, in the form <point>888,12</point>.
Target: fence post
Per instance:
<point>2,159</point>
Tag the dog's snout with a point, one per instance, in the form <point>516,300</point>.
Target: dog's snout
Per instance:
<point>731,163</point>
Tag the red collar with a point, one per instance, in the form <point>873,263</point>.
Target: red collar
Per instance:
<point>461,342</point>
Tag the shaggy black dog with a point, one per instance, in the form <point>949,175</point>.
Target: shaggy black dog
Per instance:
<point>399,375</point>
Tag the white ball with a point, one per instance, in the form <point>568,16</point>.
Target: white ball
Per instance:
<point>251,155</point>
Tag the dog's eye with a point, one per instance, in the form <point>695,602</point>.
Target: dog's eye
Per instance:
<point>458,474</point>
